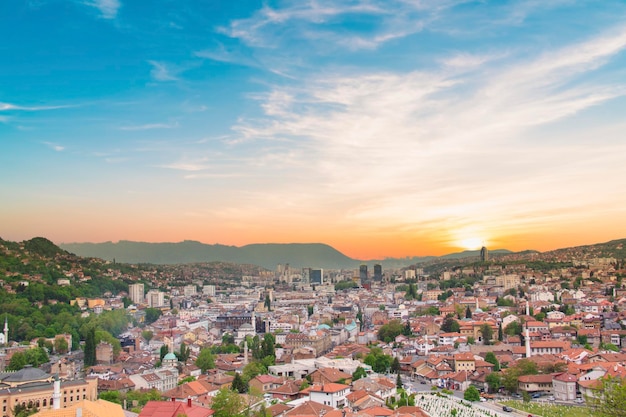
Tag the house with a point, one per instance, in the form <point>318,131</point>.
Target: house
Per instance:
<point>308,409</point>
<point>174,409</point>
<point>326,375</point>
<point>331,394</point>
<point>564,387</point>
<point>265,383</point>
<point>463,362</point>
<point>535,383</point>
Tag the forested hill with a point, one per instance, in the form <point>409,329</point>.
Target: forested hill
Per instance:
<point>268,255</point>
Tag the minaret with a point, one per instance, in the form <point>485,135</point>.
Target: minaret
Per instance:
<point>253,322</point>
<point>527,308</point>
<point>56,394</point>
<point>477,307</point>
<point>6,330</point>
<point>245,352</point>
<point>527,337</point>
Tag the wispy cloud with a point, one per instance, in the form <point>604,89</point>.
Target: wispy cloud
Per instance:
<point>16,107</point>
<point>54,146</point>
<point>161,72</point>
<point>150,126</point>
<point>108,8</point>
<point>313,20</point>
<point>413,138</point>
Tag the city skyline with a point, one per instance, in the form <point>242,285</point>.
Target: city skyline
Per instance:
<point>381,128</point>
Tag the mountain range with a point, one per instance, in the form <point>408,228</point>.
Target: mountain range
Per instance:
<point>267,255</point>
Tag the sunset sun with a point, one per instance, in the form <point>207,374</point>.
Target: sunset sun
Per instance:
<point>471,243</point>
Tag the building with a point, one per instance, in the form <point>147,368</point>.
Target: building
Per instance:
<point>317,277</point>
<point>155,298</point>
<point>136,293</point>
<point>564,387</point>
<point>484,254</point>
<point>86,408</point>
<point>32,387</point>
<point>174,409</point>
<point>189,290</point>
<point>208,290</point>
<point>332,394</point>
<point>363,276</point>
<point>378,272</point>
<point>104,353</point>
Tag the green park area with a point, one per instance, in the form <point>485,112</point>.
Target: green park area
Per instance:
<point>549,410</point>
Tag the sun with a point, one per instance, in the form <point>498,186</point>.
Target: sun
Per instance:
<point>471,243</point>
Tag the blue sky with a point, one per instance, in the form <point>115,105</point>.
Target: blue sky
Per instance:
<point>384,128</point>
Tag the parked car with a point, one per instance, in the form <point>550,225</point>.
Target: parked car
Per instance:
<point>536,395</point>
<point>579,400</point>
<point>507,408</point>
<point>551,398</point>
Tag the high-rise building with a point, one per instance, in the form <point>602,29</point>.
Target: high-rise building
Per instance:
<point>317,276</point>
<point>378,272</point>
<point>209,290</point>
<point>135,293</point>
<point>484,254</point>
<point>306,276</point>
<point>363,273</point>
<point>155,298</point>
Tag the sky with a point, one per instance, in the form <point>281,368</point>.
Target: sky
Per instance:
<point>384,128</point>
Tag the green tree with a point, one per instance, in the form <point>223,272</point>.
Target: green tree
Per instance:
<point>163,351</point>
<point>268,302</point>
<point>147,335</point>
<point>493,381</point>
<point>253,369</point>
<point>471,394</point>
<point>378,360</point>
<point>60,345</point>
<point>500,333</point>
<point>513,328</point>
<point>388,332</point>
<point>239,385</point>
<point>399,384</point>
<point>90,348</point>
<point>18,361</point>
<point>511,374</point>
<point>609,398</point>
<point>111,396</point>
<point>491,358</point>
<point>468,313</point>
<point>450,325</point>
<point>152,315</point>
<point>395,366</point>
<point>227,403</point>
<point>359,373</point>
<point>205,360</point>
<point>487,333</point>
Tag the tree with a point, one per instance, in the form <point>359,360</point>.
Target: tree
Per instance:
<point>60,345</point>
<point>450,325</point>
<point>494,381</point>
<point>111,396</point>
<point>227,403</point>
<point>163,351</point>
<point>500,334</point>
<point>359,373</point>
<point>511,374</point>
<point>378,360</point>
<point>399,381</point>
<point>309,310</point>
<point>268,302</point>
<point>152,315</point>
<point>90,348</point>
<point>468,313</point>
<point>205,360</point>
<point>388,332</point>
<point>239,385</point>
<point>487,333</point>
<point>609,397</point>
<point>395,366</point>
<point>513,328</point>
<point>253,369</point>
<point>147,335</point>
<point>471,394</point>
<point>491,358</point>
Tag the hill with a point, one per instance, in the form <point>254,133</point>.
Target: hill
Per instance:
<point>267,255</point>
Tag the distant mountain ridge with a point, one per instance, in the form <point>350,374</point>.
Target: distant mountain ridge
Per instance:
<point>267,255</point>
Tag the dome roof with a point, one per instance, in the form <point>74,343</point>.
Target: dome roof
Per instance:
<point>170,357</point>
<point>27,374</point>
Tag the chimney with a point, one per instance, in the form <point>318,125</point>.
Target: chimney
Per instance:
<point>173,399</point>
<point>188,401</point>
<point>79,412</point>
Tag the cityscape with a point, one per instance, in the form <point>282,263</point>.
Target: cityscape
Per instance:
<point>312,208</point>
<point>485,335</point>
